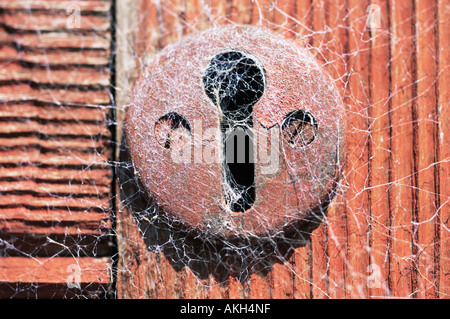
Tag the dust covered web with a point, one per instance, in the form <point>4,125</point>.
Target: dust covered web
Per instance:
<point>229,217</point>
<point>372,234</point>
<point>382,226</point>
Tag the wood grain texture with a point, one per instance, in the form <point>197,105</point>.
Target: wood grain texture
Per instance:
<point>336,220</point>
<point>402,139</point>
<point>425,239</point>
<point>53,270</point>
<point>443,180</point>
<point>356,168</point>
<point>380,155</point>
<point>55,148</point>
<point>386,233</point>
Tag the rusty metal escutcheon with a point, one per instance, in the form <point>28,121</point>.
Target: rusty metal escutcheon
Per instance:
<point>236,131</point>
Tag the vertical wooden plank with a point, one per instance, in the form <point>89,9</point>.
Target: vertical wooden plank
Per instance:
<point>196,19</point>
<point>146,32</point>
<point>171,19</point>
<point>235,289</point>
<point>174,284</point>
<point>281,286</point>
<point>219,15</point>
<point>301,264</point>
<point>337,243</point>
<point>319,238</point>
<point>426,161</point>
<point>263,13</point>
<point>126,72</point>
<point>357,172</point>
<point>291,24</point>
<point>336,220</point>
<point>443,147</point>
<point>402,157</point>
<point>137,274</point>
<point>302,24</point>
<point>193,287</point>
<point>380,145</point>
<point>215,289</point>
<point>242,11</point>
<point>320,266</point>
<point>258,287</point>
<point>319,9</point>
<point>126,65</point>
<point>282,17</point>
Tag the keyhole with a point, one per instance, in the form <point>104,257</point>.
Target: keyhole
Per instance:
<point>235,81</point>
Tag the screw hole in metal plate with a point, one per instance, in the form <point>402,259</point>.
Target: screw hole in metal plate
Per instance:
<point>171,130</point>
<point>300,128</point>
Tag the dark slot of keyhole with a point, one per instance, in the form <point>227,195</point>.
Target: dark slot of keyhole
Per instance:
<point>235,82</point>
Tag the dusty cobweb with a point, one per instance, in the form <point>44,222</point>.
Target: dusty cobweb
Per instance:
<point>368,133</point>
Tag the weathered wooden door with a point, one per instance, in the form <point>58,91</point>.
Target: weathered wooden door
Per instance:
<point>73,221</point>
